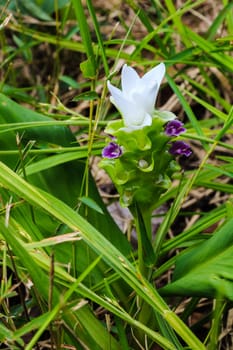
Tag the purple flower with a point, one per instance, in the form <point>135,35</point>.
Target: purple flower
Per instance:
<point>174,128</point>
<point>180,148</point>
<point>112,150</point>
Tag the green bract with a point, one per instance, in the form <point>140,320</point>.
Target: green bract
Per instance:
<point>144,170</point>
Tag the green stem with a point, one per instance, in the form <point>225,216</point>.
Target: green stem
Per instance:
<point>142,218</point>
<point>141,261</point>
<point>219,306</point>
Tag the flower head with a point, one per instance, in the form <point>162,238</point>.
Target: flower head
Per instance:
<point>180,148</point>
<point>137,98</point>
<point>174,128</point>
<point>112,150</point>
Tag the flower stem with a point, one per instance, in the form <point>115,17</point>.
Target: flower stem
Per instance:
<point>138,226</point>
<point>142,218</point>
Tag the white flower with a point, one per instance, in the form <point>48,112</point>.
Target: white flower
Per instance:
<point>137,98</point>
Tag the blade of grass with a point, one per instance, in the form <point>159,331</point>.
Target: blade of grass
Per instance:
<point>85,34</point>
<point>210,49</point>
<point>187,108</point>
<point>176,18</point>
<point>142,15</point>
<point>40,278</point>
<point>160,27</point>
<point>218,21</point>
<point>101,245</point>
<point>228,123</point>
<point>212,92</point>
<point>65,279</point>
<point>221,115</point>
<point>52,314</point>
<point>200,226</point>
<point>99,37</point>
<point>65,43</point>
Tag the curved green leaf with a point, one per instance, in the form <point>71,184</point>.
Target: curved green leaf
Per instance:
<point>65,178</point>
<point>207,269</point>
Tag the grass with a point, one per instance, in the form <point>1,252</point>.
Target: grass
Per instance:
<point>70,278</point>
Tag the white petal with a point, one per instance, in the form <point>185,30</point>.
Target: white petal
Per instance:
<point>129,79</point>
<point>146,97</point>
<point>147,120</point>
<point>166,116</point>
<point>155,74</point>
<point>151,98</point>
<point>113,90</point>
<point>132,113</point>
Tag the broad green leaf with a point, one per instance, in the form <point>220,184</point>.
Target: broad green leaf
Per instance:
<point>12,112</point>
<point>17,93</point>
<point>44,7</point>
<point>68,184</point>
<point>207,269</point>
<point>111,255</point>
<point>49,6</point>
<point>34,10</point>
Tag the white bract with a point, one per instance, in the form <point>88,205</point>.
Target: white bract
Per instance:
<point>137,98</point>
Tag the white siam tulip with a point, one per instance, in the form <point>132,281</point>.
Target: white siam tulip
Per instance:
<point>137,98</point>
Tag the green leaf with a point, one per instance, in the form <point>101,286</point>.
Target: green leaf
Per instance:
<point>218,21</point>
<point>34,10</point>
<point>111,255</point>
<point>210,49</point>
<point>69,81</point>
<point>91,204</point>
<point>86,96</point>
<point>17,93</point>
<point>6,335</point>
<point>193,120</point>
<point>49,6</point>
<point>45,176</point>
<point>207,269</point>
<point>98,28</point>
<point>90,324</point>
<point>45,6</point>
<point>211,218</point>
<point>87,69</point>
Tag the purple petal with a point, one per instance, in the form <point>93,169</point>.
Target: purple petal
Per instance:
<point>180,148</point>
<point>112,150</point>
<point>174,128</point>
